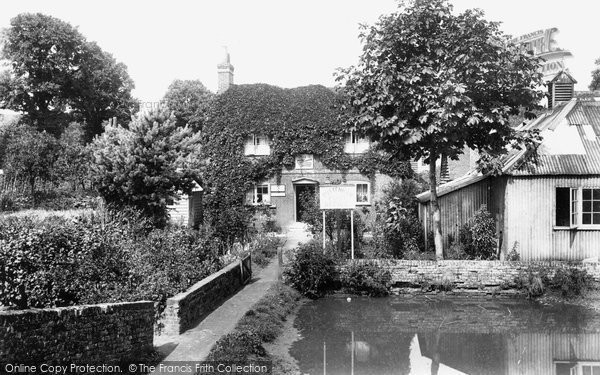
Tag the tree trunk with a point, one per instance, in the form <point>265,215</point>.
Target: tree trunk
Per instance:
<point>435,210</point>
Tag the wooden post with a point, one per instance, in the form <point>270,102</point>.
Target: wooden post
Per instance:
<point>324,359</point>
<point>352,359</point>
<point>352,232</point>
<point>324,231</point>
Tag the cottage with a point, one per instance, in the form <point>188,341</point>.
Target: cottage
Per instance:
<point>548,211</point>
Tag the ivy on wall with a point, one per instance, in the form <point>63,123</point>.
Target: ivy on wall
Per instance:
<point>303,120</point>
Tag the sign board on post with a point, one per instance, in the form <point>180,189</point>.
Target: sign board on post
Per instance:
<point>337,197</point>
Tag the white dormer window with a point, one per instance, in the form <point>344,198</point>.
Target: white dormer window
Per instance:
<point>354,144</point>
<point>304,161</point>
<point>257,144</point>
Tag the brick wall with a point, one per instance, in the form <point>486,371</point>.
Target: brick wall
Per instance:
<point>106,333</point>
<point>468,275</point>
<point>187,309</point>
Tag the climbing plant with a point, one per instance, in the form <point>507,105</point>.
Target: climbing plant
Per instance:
<point>304,120</point>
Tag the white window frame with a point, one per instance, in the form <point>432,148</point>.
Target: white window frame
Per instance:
<point>252,146</point>
<point>576,207</point>
<point>309,160</point>
<point>356,183</point>
<point>266,198</point>
<point>353,144</point>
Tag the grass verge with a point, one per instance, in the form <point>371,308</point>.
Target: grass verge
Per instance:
<point>263,323</point>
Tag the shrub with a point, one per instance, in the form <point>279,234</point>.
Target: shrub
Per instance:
<point>145,166</point>
<point>311,272</point>
<point>513,255</point>
<point>532,281</point>
<point>366,278</point>
<point>97,258</point>
<point>264,248</point>
<point>457,251</point>
<point>571,282</point>
<point>478,235</point>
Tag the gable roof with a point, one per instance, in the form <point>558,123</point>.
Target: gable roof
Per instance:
<point>570,146</point>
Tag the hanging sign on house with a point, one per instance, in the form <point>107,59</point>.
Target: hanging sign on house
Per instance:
<point>334,197</point>
<point>277,190</point>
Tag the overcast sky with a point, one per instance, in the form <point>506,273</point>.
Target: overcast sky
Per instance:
<point>285,43</point>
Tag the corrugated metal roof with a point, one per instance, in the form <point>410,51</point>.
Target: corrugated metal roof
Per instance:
<point>581,114</point>
<point>576,113</point>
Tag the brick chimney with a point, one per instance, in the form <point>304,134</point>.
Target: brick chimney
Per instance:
<point>225,73</point>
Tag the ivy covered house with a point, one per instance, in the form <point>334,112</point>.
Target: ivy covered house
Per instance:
<point>273,147</point>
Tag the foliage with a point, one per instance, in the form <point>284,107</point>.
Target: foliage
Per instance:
<point>513,255</point>
<point>72,164</point>
<point>533,281</point>
<point>146,166</point>
<point>427,85</point>
<point>30,155</point>
<point>311,272</point>
<point>595,84</point>
<point>571,282</point>
<point>110,257</point>
<point>190,101</point>
<point>457,251</point>
<point>263,323</point>
<point>478,235</point>
<point>264,248</point>
<point>56,75</point>
<point>397,227</point>
<point>366,278</point>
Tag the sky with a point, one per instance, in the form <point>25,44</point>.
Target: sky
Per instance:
<point>280,42</point>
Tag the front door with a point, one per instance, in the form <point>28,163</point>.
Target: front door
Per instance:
<point>306,199</point>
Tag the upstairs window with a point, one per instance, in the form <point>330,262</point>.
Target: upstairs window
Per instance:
<point>257,144</point>
<point>577,207</point>
<point>354,144</point>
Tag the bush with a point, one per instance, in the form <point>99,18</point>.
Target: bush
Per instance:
<point>98,258</point>
<point>513,255</point>
<point>478,236</point>
<point>366,278</point>
<point>264,248</point>
<point>532,281</point>
<point>311,272</point>
<point>572,282</point>
<point>146,165</point>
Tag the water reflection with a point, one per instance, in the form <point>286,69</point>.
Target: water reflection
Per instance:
<point>396,335</point>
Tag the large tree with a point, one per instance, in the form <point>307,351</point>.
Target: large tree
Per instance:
<point>56,75</point>
<point>430,82</point>
<point>595,84</point>
<point>189,100</point>
<point>147,165</point>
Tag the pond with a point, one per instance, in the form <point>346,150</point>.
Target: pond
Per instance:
<point>458,335</point>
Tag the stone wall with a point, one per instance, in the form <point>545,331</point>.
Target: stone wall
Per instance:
<point>188,308</point>
<point>470,275</point>
<point>105,333</point>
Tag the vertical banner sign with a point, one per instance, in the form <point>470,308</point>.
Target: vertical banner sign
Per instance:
<point>338,197</point>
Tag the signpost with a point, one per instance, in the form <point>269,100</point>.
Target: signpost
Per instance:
<point>338,197</point>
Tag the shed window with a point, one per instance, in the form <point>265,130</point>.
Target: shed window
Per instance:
<point>590,211</point>
<point>563,211</point>
<point>577,206</point>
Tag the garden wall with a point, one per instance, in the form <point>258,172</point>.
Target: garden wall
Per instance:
<point>188,308</point>
<point>105,333</point>
<point>470,275</point>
